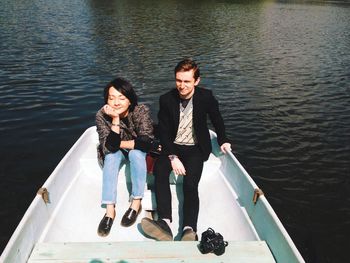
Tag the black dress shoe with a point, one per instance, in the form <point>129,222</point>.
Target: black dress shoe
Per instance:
<point>158,230</point>
<point>105,226</point>
<point>130,216</point>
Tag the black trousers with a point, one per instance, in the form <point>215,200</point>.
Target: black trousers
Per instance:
<point>192,159</point>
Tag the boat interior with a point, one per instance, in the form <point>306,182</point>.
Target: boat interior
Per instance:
<point>78,211</point>
<point>61,223</point>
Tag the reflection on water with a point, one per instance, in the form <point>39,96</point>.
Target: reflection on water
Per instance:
<point>278,68</point>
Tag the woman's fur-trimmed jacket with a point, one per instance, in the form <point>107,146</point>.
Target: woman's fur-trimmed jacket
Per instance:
<point>138,127</point>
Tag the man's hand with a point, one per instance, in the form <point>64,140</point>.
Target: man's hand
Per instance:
<point>225,147</point>
<point>178,167</point>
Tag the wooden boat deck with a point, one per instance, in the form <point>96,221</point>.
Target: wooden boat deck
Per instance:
<point>147,252</point>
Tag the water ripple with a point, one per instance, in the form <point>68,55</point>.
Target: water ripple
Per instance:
<point>279,70</point>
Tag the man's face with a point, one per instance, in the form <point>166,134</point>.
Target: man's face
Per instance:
<point>185,83</point>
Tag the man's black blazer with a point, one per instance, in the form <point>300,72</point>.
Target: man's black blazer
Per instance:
<point>204,104</point>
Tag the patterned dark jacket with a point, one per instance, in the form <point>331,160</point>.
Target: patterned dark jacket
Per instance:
<point>138,127</point>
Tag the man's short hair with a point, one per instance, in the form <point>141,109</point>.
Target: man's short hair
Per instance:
<point>187,65</point>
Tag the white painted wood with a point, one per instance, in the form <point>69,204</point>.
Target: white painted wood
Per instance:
<point>238,252</point>
<point>261,214</point>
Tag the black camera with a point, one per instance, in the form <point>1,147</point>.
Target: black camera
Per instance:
<point>212,242</point>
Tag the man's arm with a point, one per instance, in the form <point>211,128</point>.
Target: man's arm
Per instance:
<point>218,123</point>
<point>165,126</point>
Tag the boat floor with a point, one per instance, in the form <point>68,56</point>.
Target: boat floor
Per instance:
<point>79,212</point>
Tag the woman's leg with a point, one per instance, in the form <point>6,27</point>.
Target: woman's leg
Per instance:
<point>111,167</point>
<point>109,190</point>
<point>138,172</point>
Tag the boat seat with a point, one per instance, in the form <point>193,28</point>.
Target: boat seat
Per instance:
<point>138,251</point>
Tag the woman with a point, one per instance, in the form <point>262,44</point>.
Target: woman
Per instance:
<point>125,134</point>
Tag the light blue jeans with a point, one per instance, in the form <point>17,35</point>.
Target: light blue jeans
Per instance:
<point>138,173</point>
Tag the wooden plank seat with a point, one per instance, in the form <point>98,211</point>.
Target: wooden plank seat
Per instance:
<point>130,252</point>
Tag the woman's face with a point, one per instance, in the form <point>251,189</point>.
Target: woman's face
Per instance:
<point>118,102</point>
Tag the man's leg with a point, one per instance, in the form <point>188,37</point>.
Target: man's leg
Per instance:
<point>162,169</point>
<point>160,229</point>
<point>193,162</point>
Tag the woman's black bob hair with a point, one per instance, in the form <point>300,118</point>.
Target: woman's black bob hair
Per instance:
<point>125,88</point>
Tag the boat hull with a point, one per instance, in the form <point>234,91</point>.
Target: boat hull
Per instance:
<point>74,211</point>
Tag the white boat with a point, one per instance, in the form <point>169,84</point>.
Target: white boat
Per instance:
<point>64,229</point>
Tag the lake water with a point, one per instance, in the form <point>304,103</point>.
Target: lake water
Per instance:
<point>280,69</point>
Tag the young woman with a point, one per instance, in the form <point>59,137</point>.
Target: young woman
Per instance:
<point>125,134</point>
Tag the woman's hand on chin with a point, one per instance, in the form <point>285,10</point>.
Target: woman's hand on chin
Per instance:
<point>110,111</point>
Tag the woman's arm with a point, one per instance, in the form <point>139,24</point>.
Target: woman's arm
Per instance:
<point>143,122</point>
<point>144,129</point>
<point>109,136</point>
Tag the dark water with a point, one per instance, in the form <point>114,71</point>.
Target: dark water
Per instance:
<point>281,70</point>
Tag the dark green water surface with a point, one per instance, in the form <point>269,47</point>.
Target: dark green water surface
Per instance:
<point>280,69</point>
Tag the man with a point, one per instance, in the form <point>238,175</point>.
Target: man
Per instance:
<point>185,140</point>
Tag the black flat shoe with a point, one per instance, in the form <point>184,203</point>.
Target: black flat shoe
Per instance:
<point>130,216</point>
<point>105,226</point>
